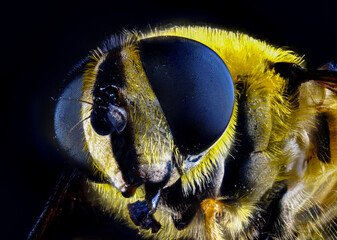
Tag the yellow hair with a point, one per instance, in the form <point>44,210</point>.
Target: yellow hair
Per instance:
<point>248,61</point>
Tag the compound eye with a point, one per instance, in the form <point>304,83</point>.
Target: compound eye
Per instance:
<point>67,115</point>
<point>194,88</point>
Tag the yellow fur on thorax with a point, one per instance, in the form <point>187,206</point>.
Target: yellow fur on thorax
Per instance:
<point>315,192</point>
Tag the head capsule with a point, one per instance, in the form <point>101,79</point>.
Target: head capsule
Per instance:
<point>151,97</point>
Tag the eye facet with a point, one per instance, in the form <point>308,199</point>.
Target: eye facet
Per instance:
<point>194,88</point>
<point>67,117</point>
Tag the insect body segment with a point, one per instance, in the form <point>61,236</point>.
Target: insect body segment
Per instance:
<point>202,133</point>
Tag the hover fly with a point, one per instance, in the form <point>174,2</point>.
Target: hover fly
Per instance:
<point>200,133</point>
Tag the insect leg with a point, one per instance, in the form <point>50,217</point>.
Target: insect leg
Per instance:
<point>213,209</point>
<point>53,206</point>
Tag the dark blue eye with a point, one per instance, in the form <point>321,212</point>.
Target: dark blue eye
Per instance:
<point>194,88</point>
<point>66,120</point>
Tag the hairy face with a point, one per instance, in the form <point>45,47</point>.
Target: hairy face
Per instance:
<point>206,134</point>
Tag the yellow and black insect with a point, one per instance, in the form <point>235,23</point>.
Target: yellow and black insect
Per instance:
<point>201,133</point>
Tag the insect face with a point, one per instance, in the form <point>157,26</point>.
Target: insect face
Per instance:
<point>124,113</point>
<point>205,134</point>
<point>159,105</point>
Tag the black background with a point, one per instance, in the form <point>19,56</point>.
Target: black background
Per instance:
<point>42,40</point>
